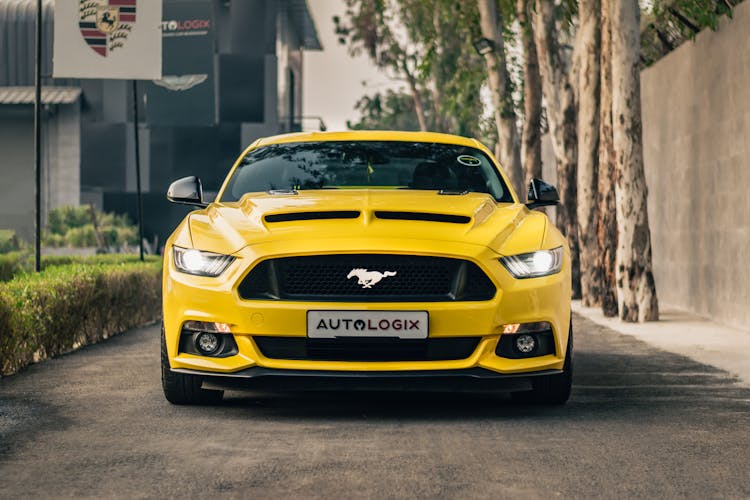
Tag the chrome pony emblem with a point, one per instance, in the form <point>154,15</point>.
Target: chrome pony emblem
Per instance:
<point>368,278</point>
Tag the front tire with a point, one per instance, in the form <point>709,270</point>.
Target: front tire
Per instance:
<point>552,389</point>
<point>181,388</point>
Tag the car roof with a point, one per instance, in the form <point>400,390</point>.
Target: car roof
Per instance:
<point>371,135</point>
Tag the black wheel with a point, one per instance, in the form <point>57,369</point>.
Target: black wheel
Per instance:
<point>551,389</point>
<point>181,388</point>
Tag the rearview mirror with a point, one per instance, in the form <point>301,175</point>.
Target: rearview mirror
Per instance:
<point>542,194</point>
<point>187,191</point>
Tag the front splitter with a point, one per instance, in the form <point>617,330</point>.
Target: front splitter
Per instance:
<point>466,380</point>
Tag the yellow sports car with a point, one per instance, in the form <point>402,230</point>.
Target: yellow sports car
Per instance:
<point>357,260</point>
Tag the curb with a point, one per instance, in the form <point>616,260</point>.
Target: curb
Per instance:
<point>687,334</point>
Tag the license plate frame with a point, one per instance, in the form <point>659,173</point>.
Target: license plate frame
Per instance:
<point>331,324</point>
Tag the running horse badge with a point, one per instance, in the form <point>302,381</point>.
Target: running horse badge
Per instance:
<point>106,24</point>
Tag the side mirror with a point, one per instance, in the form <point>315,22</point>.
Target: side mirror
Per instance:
<point>187,191</point>
<point>542,194</point>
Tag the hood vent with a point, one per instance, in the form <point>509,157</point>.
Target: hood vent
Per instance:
<point>453,219</point>
<point>295,216</point>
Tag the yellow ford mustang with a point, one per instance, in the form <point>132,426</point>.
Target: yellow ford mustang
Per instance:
<point>355,260</point>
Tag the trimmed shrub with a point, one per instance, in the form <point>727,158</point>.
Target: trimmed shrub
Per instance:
<point>74,227</point>
<point>65,307</point>
<point>9,242</point>
<point>15,263</point>
<point>79,237</point>
<point>102,258</point>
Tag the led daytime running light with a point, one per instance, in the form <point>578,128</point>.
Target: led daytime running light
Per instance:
<point>200,263</point>
<point>534,264</point>
<point>204,326</point>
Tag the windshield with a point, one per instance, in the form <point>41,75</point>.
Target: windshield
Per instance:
<point>299,166</point>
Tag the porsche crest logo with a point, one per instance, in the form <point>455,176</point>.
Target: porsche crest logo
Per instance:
<point>106,24</point>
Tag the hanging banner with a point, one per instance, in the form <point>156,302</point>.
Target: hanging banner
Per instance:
<point>185,94</point>
<point>118,39</point>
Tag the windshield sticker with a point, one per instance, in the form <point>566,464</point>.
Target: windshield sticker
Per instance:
<point>469,161</point>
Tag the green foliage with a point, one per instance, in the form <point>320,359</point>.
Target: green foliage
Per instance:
<point>79,237</point>
<point>427,44</point>
<point>65,307</point>
<point>13,263</point>
<point>392,110</point>
<point>49,261</point>
<point>670,23</point>
<point>17,263</point>
<point>74,227</point>
<point>60,220</point>
<point>14,255</point>
<point>9,242</point>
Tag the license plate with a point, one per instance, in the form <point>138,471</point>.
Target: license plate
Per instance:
<point>387,324</point>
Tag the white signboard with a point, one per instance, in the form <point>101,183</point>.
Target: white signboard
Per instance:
<point>118,39</point>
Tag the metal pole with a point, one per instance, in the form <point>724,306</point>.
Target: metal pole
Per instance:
<point>138,166</point>
<point>38,139</point>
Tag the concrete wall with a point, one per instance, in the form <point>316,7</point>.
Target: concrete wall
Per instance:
<point>60,164</point>
<point>17,169</point>
<point>696,132</point>
<point>62,175</point>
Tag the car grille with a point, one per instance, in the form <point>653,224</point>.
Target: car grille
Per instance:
<point>324,278</point>
<point>367,349</point>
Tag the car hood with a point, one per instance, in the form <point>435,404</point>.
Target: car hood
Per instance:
<point>473,218</point>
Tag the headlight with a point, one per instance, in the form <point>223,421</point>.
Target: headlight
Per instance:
<point>534,264</point>
<point>200,263</point>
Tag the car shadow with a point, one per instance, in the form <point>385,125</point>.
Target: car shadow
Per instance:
<point>615,377</point>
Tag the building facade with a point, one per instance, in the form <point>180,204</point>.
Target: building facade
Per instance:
<point>232,72</point>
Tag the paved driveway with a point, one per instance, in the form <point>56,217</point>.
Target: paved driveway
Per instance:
<point>641,422</point>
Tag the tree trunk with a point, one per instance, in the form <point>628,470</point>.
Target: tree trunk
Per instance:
<point>416,96</point>
<point>588,148</point>
<point>505,118</point>
<point>440,121</point>
<point>531,140</point>
<point>607,212</point>
<point>561,115</point>
<point>636,291</point>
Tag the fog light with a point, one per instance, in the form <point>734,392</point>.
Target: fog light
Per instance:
<point>207,343</point>
<point>525,344</point>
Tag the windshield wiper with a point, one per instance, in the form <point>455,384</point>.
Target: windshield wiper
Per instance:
<point>453,192</point>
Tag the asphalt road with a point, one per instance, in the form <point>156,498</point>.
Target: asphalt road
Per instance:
<point>640,423</point>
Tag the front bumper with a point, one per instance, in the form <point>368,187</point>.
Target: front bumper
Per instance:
<point>197,298</point>
<point>466,380</point>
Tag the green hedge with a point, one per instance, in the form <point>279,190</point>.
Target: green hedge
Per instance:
<point>15,263</point>
<point>65,307</point>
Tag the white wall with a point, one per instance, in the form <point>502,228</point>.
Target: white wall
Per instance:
<point>696,133</point>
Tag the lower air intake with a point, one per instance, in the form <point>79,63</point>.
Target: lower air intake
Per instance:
<point>367,349</point>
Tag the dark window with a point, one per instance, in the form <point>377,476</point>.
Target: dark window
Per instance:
<point>366,164</point>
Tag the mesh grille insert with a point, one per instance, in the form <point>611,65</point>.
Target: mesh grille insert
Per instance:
<point>367,277</point>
